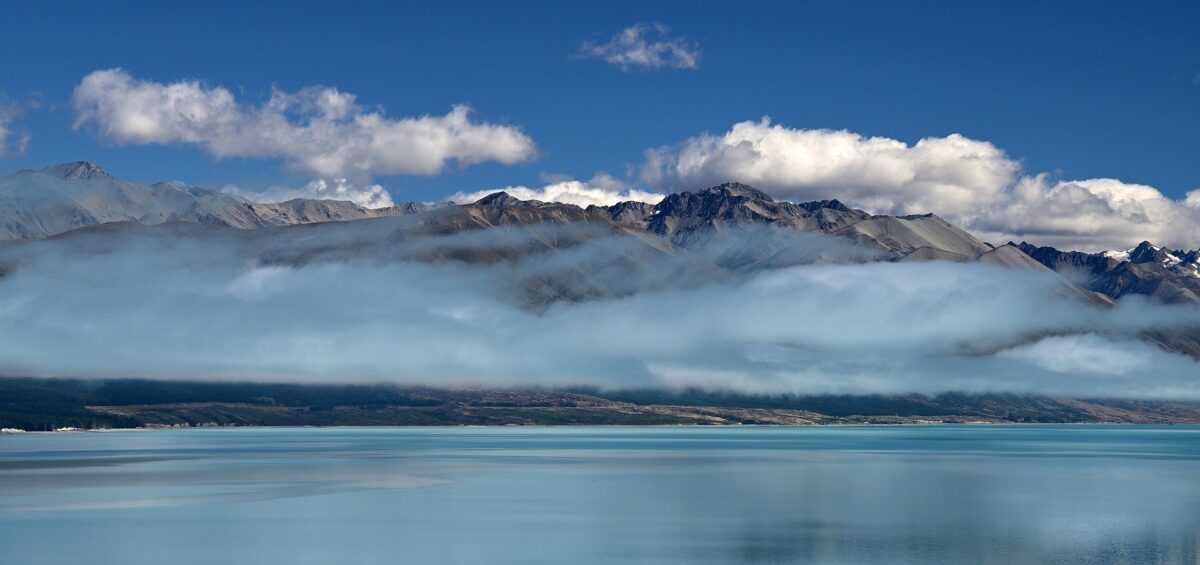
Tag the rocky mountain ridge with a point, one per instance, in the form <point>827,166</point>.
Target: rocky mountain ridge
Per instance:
<point>771,234</point>
<point>1164,275</point>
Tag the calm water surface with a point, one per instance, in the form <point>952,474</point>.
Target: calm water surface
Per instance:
<point>912,494</point>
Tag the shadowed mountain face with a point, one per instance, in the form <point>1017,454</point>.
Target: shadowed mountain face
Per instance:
<point>681,216</point>
<point>1165,275</point>
<point>687,216</point>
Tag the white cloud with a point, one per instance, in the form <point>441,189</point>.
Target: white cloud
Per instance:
<point>12,141</point>
<point>884,174</point>
<point>367,196</point>
<point>601,190</point>
<point>644,45</point>
<point>1091,214</point>
<point>319,130</point>
<point>967,181</point>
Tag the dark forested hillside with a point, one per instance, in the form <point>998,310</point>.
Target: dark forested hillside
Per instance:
<point>47,404</point>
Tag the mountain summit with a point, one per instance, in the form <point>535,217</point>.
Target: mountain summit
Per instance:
<point>78,170</point>
<point>503,198</point>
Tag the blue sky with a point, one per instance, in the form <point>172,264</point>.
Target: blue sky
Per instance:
<point>1077,90</point>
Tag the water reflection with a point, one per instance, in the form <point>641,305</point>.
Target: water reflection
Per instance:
<point>940,494</point>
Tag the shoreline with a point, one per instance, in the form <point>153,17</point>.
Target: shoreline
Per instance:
<point>65,404</point>
<point>605,426</point>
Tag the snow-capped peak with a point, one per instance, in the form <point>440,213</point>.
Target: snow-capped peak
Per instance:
<point>1118,255</point>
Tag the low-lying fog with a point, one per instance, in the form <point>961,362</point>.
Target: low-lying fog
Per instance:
<point>561,306</point>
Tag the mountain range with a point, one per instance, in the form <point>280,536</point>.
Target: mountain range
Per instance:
<point>545,253</point>
<point>72,196</point>
<point>1165,275</point>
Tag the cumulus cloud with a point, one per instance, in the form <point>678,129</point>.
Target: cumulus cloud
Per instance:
<point>601,190</point>
<point>318,130</point>
<point>355,301</point>
<point>646,46</point>
<point>881,173</point>
<point>967,181</point>
<point>12,140</point>
<point>1092,214</point>
<point>368,196</point>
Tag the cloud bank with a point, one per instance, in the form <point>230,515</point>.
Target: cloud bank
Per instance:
<point>969,182</point>
<point>646,46</point>
<point>317,130</point>
<point>601,190</point>
<point>339,304</point>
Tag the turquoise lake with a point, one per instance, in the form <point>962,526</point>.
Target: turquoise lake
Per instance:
<point>902,494</point>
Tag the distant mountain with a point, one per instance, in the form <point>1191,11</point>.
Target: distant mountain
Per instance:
<point>61,198</point>
<point>1165,275</point>
<point>732,227</point>
<point>561,252</point>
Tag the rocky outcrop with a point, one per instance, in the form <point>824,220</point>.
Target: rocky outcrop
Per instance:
<point>1165,275</point>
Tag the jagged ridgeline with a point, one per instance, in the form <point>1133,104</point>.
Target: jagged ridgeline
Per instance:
<point>62,198</point>
<point>1169,276</point>
<point>733,227</point>
<point>708,235</point>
